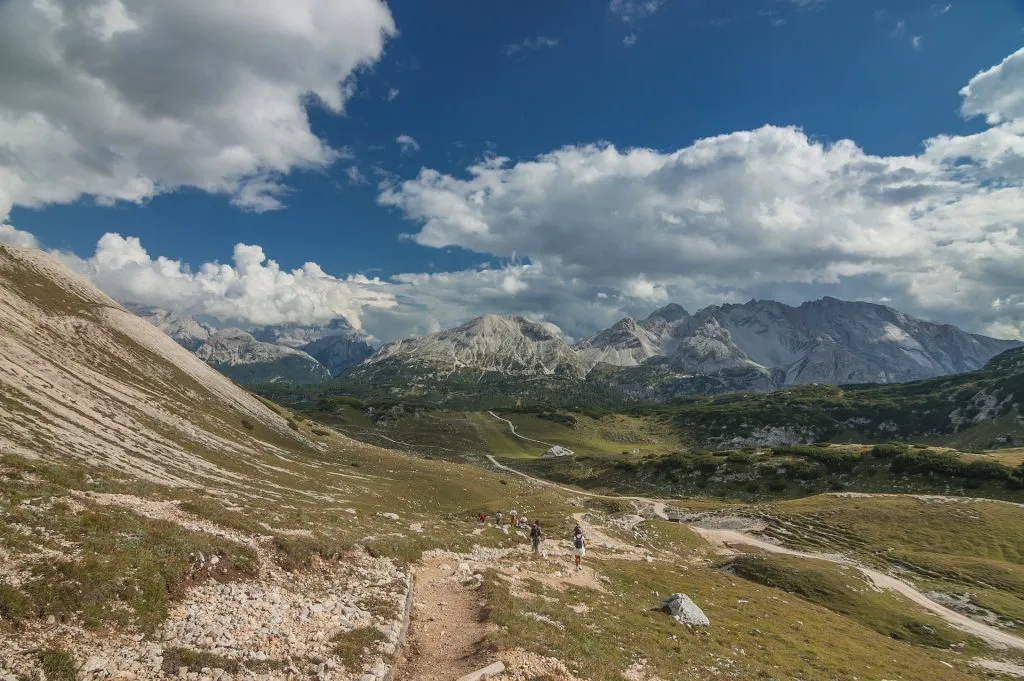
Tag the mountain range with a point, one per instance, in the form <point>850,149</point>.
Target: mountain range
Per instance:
<point>760,345</point>
<point>285,353</point>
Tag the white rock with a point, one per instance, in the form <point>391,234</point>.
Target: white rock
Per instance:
<point>485,673</point>
<point>684,610</point>
<point>94,664</point>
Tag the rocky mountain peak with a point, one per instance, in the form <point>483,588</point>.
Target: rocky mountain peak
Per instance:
<point>672,312</point>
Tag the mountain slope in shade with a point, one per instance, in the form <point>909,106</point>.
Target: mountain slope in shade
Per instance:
<point>83,378</point>
<point>241,357</point>
<point>270,354</point>
<point>336,345</point>
<point>492,343</point>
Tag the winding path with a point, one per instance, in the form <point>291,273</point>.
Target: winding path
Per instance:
<point>998,638</point>
<point>657,506</point>
<point>512,427</point>
<point>728,539</point>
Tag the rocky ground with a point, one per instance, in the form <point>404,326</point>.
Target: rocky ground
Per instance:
<point>280,625</point>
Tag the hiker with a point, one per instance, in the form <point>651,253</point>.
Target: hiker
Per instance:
<point>523,522</point>
<point>579,543</point>
<point>497,518</point>
<point>483,517</point>
<point>535,536</point>
<point>513,514</point>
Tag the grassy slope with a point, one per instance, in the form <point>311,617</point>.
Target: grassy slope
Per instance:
<point>757,632</point>
<point>972,548</point>
<point>453,434</point>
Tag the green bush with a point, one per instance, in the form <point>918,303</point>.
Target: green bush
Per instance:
<point>887,451</point>
<point>803,470</point>
<point>14,606</point>
<point>834,459</point>
<point>740,457</point>
<point>706,464</point>
<point>57,664</point>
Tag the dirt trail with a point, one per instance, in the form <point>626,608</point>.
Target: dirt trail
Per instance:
<point>724,538</point>
<point>512,427</point>
<point>657,507</point>
<point>447,631</point>
<point>995,637</point>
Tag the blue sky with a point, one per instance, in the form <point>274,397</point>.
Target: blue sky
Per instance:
<point>468,81</point>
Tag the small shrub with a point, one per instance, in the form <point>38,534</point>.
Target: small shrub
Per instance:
<point>58,664</point>
<point>351,646</point>
<point>321,432</point>
<point>803,470</point>
<point>247,424</point>
<point>706,464</point>
<point>195,660</point>
<point>292,424</point>
<point>887,451</point>
<point>14,606</point>
<point>740,457</point>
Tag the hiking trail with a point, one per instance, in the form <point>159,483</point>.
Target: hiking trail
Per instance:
<point>728,539</point>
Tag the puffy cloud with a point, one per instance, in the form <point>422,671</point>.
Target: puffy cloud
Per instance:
<point>254,290</point>
<point>998,93</point>
<point>538,43</point>
<point>770,212</point>
<point>16,237</point>
<point>124,99</point>
<point>392,94</point>
<point>407,143</point>
<point>629,40</point>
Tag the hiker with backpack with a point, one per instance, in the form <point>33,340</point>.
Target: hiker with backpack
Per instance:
<point>535,535</point>
<point>579,543</point>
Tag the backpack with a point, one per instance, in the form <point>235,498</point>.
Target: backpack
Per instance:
<point>579,541</point>
<point>535,531</point>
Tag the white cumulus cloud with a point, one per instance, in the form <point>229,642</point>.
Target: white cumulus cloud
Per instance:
<point>253,290</point>
<point>16,237</point>
<point>770,212</point>
<point>125,99</point>
<point>998,93</point>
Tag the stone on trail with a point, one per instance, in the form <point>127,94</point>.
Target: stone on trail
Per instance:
<point>487,672</point>
<point>684,611</point>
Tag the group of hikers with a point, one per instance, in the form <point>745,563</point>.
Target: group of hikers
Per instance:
<point>579,541</point>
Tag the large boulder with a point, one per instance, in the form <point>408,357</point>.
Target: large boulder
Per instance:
<point>685,611</point>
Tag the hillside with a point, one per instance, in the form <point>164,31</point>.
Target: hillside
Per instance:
<point>156,521</point>
<point>85,380</point>
<point>974,409</point>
